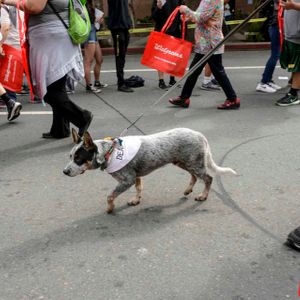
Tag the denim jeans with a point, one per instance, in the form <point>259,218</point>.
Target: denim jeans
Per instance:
<point>275,53</point>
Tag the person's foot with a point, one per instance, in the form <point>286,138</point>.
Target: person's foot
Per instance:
<point>178,101</point>
<point>288,100</point>
<point>48,135</point>
<point>124,88</point>
<point>293,239</point>
<point>265,88</point>
<point>172,82</point>
<point>100,85</point>
<point>13,109</point>
<point>274,85</point>
<point>230,104</point>
<point>210,86</point>
<point>162,85</point>
<point>92,89</point>
<point>88,117</point>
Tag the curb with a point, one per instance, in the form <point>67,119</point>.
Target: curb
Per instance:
<point>228,47</point>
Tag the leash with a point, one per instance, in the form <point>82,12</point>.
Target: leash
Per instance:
<point>202,61</point>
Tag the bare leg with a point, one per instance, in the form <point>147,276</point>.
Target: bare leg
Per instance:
<point>138,185</point>
<point>207,181</point>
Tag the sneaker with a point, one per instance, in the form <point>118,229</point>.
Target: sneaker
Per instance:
<point>265,88</point>
<point>25,91</point>
<point>172,82</point>
<point>185,103</point>
<point>100,85</point>
<point>210,86</point>
<point>13,109</point>
<point>230,104</point>
<point>162,85</point>
<point>124,88</point>
<point>273,85</point>
<point>92,89</point>
<point>288,100</point>
<point>215,82</point>
<point>293,239</point>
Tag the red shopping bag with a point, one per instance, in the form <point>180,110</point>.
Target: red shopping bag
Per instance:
<point>281,23</point>
<point>11,69</point>
<point>166,53</point>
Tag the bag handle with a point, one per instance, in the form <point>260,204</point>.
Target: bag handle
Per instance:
<point>57,14</point>
<point>170,20</point>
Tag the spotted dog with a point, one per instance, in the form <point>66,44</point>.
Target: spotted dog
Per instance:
<point>185,148</point>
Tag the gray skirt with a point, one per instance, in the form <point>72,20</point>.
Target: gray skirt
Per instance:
<point>52,56</point>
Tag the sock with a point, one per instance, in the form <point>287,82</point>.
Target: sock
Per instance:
<point>293,92</point>
<point>5,98</point>
<point>206,79</point>
<point>161,80</point>
<point>172,78</point>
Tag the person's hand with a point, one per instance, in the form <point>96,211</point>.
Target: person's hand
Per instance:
<point>288,4</point>
<point>212,22</point>
<point>183,8</point>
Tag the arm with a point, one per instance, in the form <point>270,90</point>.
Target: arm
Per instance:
<point>289,4</point>
<point>30,7</point>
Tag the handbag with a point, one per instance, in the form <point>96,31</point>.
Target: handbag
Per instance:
<point>166,53</point>
<point>11,68</point>
<point>79,22</point>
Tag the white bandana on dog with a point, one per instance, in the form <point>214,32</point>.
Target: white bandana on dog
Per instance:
<point>123,154</point>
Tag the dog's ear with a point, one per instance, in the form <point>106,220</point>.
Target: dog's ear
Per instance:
<point>87,140</point>
<point>76,137</point>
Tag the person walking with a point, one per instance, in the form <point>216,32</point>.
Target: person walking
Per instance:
<point>267,85</point>
<point>54,59</point>
<point>92,51</point>
<point>160,13</point>
<point>208,33</point>
<point>289,58</point>
<point>119,23</point>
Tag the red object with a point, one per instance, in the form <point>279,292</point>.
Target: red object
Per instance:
<point>25,46</point>
<point>11,69</point>
<point>280,23</point>
<point>166,53</point>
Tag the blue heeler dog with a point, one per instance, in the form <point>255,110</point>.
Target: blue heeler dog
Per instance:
<point>185,148</point>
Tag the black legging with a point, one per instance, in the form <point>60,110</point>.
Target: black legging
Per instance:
<point>64,110</point>
<point>120,41</point>
<point>216,66</point>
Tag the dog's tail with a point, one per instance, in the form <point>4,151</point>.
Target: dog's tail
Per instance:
<point>213,166</point>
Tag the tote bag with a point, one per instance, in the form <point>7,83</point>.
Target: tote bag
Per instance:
<point>11,69</point>
<point>166,53</point>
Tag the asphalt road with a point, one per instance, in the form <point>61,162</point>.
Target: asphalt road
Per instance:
<point>57,242</point>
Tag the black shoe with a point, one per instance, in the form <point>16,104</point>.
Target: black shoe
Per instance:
<point>162,85</point>
<point>100,85</point>
<point>13,109</point>
<point>288,100</point>
<point>48,135</point>
<point>293,239</point>
<point>172,82</point>
<point>89,118</point>
<point>124,88</point>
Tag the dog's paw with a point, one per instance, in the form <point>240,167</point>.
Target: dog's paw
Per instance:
<point>187,192</point>
<point>201,198</point>
<point>133,202</point>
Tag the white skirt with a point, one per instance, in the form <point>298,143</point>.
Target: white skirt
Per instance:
<point>52,56</point>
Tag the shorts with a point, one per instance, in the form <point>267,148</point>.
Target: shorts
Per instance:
<point>290,56</point>
<point>92,39</point>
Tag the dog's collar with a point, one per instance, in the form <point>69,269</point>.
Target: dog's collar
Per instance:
<point>107,155</point>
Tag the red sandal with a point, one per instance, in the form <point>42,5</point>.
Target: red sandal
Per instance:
<point>230,104</point>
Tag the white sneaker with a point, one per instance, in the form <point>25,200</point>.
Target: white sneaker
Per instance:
<point>265,88</point>
<point>274,85</point>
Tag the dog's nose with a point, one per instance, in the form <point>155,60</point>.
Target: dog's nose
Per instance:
<point>66,171</point>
